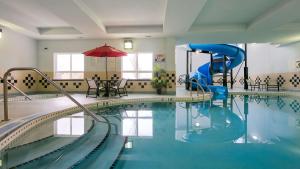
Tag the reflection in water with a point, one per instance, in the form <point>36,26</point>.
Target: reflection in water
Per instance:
<point>230,120</point>
<point>208,122</point>
<point>137,123</point>
<point>248,132</point>
<point>70,126</point>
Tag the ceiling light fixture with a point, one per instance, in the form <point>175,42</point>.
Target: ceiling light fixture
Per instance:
<point>128,44</point>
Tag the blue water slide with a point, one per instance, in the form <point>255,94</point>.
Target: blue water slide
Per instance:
<point>234,54</point>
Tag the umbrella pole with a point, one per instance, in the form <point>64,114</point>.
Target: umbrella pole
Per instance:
<point>106,68</point>
<point>106,86</point>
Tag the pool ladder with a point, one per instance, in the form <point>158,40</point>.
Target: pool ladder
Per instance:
<point>199,87</point>
<point>6,83</point>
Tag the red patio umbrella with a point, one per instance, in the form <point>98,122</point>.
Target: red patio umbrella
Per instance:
<point>105,51</point>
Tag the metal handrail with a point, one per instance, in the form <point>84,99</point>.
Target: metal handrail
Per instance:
<point>207,85</point>
<point>94,116</point>
<point>182,78</point>
<point>237,73</point>
<point>17,89</point>
<point>210,100</point>
<point>192,81</point>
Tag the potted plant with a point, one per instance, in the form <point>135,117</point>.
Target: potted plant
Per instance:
<point>159,80</point>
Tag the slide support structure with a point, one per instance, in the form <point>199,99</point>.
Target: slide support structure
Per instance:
<point>246,75</point>
<point>211,64</point>
<point>187,84</point>
<point>246,112</point>
<point>224,72</point>
<point>231,79</point>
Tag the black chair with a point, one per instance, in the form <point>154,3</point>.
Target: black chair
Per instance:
<point>253,85</point>
<point>273,85</point>
<point>93,87</point>
<point>120,88</point>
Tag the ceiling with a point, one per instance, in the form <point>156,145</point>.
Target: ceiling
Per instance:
<point>201,21</point>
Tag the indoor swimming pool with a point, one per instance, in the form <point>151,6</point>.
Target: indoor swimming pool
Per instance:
<point>240,132</point>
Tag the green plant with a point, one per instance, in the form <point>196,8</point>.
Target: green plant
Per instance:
<point>159,79</point>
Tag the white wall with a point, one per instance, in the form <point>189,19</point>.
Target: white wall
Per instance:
<point>180,61</point>
<point>266,58</point>
<point>17,50</point>
<point>155,45</point>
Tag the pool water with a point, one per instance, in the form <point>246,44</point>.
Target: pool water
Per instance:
<point>241,132</point>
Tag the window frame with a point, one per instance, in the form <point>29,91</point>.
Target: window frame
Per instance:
<point>70,62</point>
<point>137,71</point>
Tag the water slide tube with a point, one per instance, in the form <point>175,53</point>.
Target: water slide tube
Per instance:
<point>234,54</point>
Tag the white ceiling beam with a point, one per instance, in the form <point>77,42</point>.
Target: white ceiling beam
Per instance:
<point>71,13</point>
<point>59,31</point>
<point>135,29</point>
<point>288,27</point>
<point>218,28</point>
<point>282,13</point>
<point>89,12</point>
<point>288,44</point>
<point>180,15</point>
<point>288,40</point>
<point>11,19</point>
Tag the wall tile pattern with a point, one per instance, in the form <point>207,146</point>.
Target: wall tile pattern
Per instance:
<point>29,81</point>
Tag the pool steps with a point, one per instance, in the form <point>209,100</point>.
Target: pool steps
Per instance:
<point>82,149</point>
<point>39,148</point>
<point>106,155</point>
<point>98,133</point>
<point>102,155</point>
<point>33,151</point>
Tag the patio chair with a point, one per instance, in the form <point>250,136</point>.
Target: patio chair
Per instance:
<point>92,86</point>
<point>253,85</point>
<point>273,85</point>
<point>120,88</point>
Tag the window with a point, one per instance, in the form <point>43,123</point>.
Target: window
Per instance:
<point>137,123</point>
<point>68,66</point>
<point>137,66</point>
